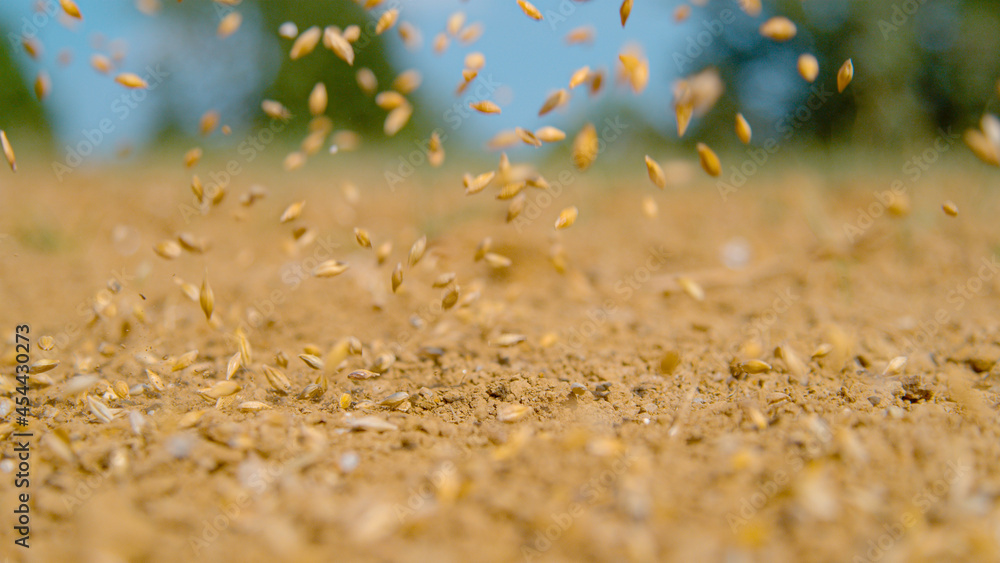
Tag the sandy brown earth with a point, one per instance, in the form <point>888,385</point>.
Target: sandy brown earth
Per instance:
<point>619,429</point>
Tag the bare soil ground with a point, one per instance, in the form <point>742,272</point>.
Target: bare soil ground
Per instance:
<point>584,442</point>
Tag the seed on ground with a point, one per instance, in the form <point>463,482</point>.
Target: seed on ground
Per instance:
<point>233,365</point>
<point>508,339</point>
<point>692,288</point>
<point>778,28</point>
<point>312,361</point>
<point>808,67</point>
<point>219,390</point>
<point>361,374</point>
<point>42,366</point>
<point>167,249</point>
<point>567,217</point>
<point>277,380</point>
<point>497,260</point>
<point>252,406</point>
<point>207,299</point>
<point>754,367</point>
<point>669,362</point>
<point>100,410</point>
<point>184,360</point>
<point>709,160</point>
<point>655,173</point>
<point>845,75</point>
<point>512,413</point>
<point>394,400</point>
<point>895,366</point>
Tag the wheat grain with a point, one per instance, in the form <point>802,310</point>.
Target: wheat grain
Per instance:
<point>808,67</point>
<point>583,34</point>
<point>305,43</point>
<point>330,268</point>
<point>585,147</point>
<point>709,161</point>
<point>8,151</point>
<point>950,208</point>
<point>275,110</point>
<point>743,130</point>
<point>516,207</point>
<point>312,360</point>
<point>362,374</point>
<point>207,299</point>
<point>655,173</point>
<point>497,260</point>
<point>71,9</point>
<point>485,106</point>
<point>397,119</point>
<point>567,217</point>
<point>397,277</point>
<point>277,380</point>
<point>386,21</point>
<point>895,366</point>
<point>778,28</point>
<point>625,10</point>
<point>363,238</point>
<point>292,212</point>
<point>553,101</point>
<point>43,84</point>
<point>845,75</point>
<point>219,390</point>
<point>417,251</point>
<point>512,413</point>
<point>229,24</point>
<point>129,80</point>
<point>407,81</point>
<point>168,249</point>
<point>341,47</point>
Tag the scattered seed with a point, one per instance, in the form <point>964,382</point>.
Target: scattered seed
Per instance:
<point>129,80</point>
<point>778,28</point>
<point>822,350</point>
<point>808,67</point>
<point>692,288</point>
<point>361,374</point>
<point>397,119</point>
<point>277,380</point>
<point>373,423</point>
<point>305,43</point>
<point>567,217</point>
<point>527,137</point>
<point>895,366</point>
<point>625,10</point>
<point>330,268</point>
<point>417,251</point>
<point>168,249</point>
<point>485,106</point>
<point>394,400</point>
<point>341,47</point>
<point>549,134</point>
<point>670,361</point>
<point>585,147</point>
<point>219,390</point>
<point>512,413</point>
<point>252,406</point>
<point>483,248</point>
<point>207,299</point>
<point>184,360</point>
<point>397,277</point>
<point>46,343</point>
<point>684,112</point>
<point>709,160</point>
<point>743,130</point>
<point>580,35</point>
<point>292,212</point>
<point>450,297</point>
<point>649,207</point>
<point>71,9</point>
<point>386,21</point>
<point>655,173</point>
<point>317,99</point>
<point>43,84</point>
<point>845,75</point>
<point>8,151</point>
<point>516,206</point>
<point>497,260</point>
<point>275,110</point>
<point>508,339</point>
<point>950,208</point>
<point>479,183</point>
<point>42,366</point>
<point>555,100</point>
<point>754,367</point>
<point>100,410</point>
<point>229,24</point>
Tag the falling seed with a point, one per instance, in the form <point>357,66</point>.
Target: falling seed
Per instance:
<point>435,151</point>
<point>229,24</point>
<point>275,110</point>
<point>709,161</point>
<point>692,288</point>
<point>397,277</point>
<point>155,381</point>
<point>277,380</point>
<point>184,360</point>
<point>497,260</point>
<point>315,362</point>
<point>778,28</point>
<point>191,157</point>
<point>655,173</point>
<point>407,81</point>
<point>292,212</point>
<point>208,122</point>
<point>808,67</point>
<point>549,134</point>
<point>684,112</point>
<point>483,248</point>
<point>129,80</point>
<point>444,279</point>
<point>470,33</point>
<point>383,251</point>
<point>567,217</point>
<point>669,362</point>
<point>511,190</point>
<point>895,366</point>
<point>233,365</point>
<point>527,137</point>
<point>341,47</point>
<point>681,13</point>
<point>555,100</point>
<point>579,77</point>
<point>317,99</point>
<point>440,43</point>
<point>397,119</point>
<point>485,106</point>
<point>42,85</point>
<point>743,130</point>
<point>71,9</point>
<point>288,30</point>
<point>514,413</point>
<point>386,21</point>
<point>516,207</point>
<point>417,251</point>
<point>8,151</point>
<point>822,350</point>
<point>479,183</point>
<point>625,10</point>
<point>351,33</point>
<point>100,63</point>
<point>579,35</point>
<point>168,249</point>
<point>982,147</point>
<point>362,237</point>
<point>585,147</point>
<point>529,10</point>
<point>845,75</point>
<point>649,207</point>
<point>305,43</point>
<point>361,374</point>
<point>950,208</point>
<point>330,268</point>
<point>207,299</point>
<point>42,366</point>
<point>507,340</point>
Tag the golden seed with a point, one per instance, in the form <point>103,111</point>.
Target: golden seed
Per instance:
<point>792,361</point>
<point>281,359</point>
<point>527,137</point>
<point>8,151</point>
<point>191,418</point>
<point>895,366</point>
<point>330,268</point>
<point>506,340</point>
<point>692,288</point>
<point>252,406</point>
<point>497,260</point>
<point>155,381</point>
<point>407,81</point>
<point>529,10</point>
<point>192,157</point>
<point>808,67</point>
<point>470,33</point>
<point>243,345</point>
<point>361,374</point>
<point>394,400</point>
<point>184,360</point>
<point>317,99</point>
<point>100,410</point>
<point>483,248</point>
<point>100,63</point>
<point>511,190</point>
<point>435,154</point>
<point>778,28</point>
<point>475,60</point>
<point>46,343</point>
<point>681,13</point>
<point>479,183</point>
<point>417,251</point>
<point>567,217</point>
<point>191,243</point>
<point>743,130</point>
<point>207,299</point>
<point>410,35</point>
<point>341,46</point>
<point>383,251</point>
<point>649,207</point>
<point>42,85</point>
<point>351,33</point>
<point>655,173</point>
<point>275,109</point>
<point>397,277</point>
<point>845,75</point>
<point>440,43</point>
<point>555,100</point>
<point>397,119</point>
<point>129,80</point>
<point>345,401</point>
<point>950,208</point>
<point>669,362</point>
<point>168,249</point>
<point>233,366</point>
<point>312,361</point>
<point>277,380</point>
<point>362,237</point>
<point>822,350</point>
<point>584,34</point>
<point>294,161</point>
<point>625,10</point>
<point>751,7</point>
<point>982,147</point>
<point>312,392</point>
<point>450,297</point>
<point>485,106</point>
<point>455,23</point>
<point>513,413</point>
<point>229,24</point>
<point>684,112</point>
<point>579,77</point>
<point>219,390</point>
<point>305,43</point>
<point>755,366</point>
<point>71,9</point>
<point>292,212</point>
<point>709,161</point>
<point>585,147</point>
<point>383,362</point>
<point>549,134</point>
<point>31,46</point>
<point>42,366</point>
<point>389,100</point>
<point>386,21</point>
<point>444,279</point>
<point>516,207</point>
